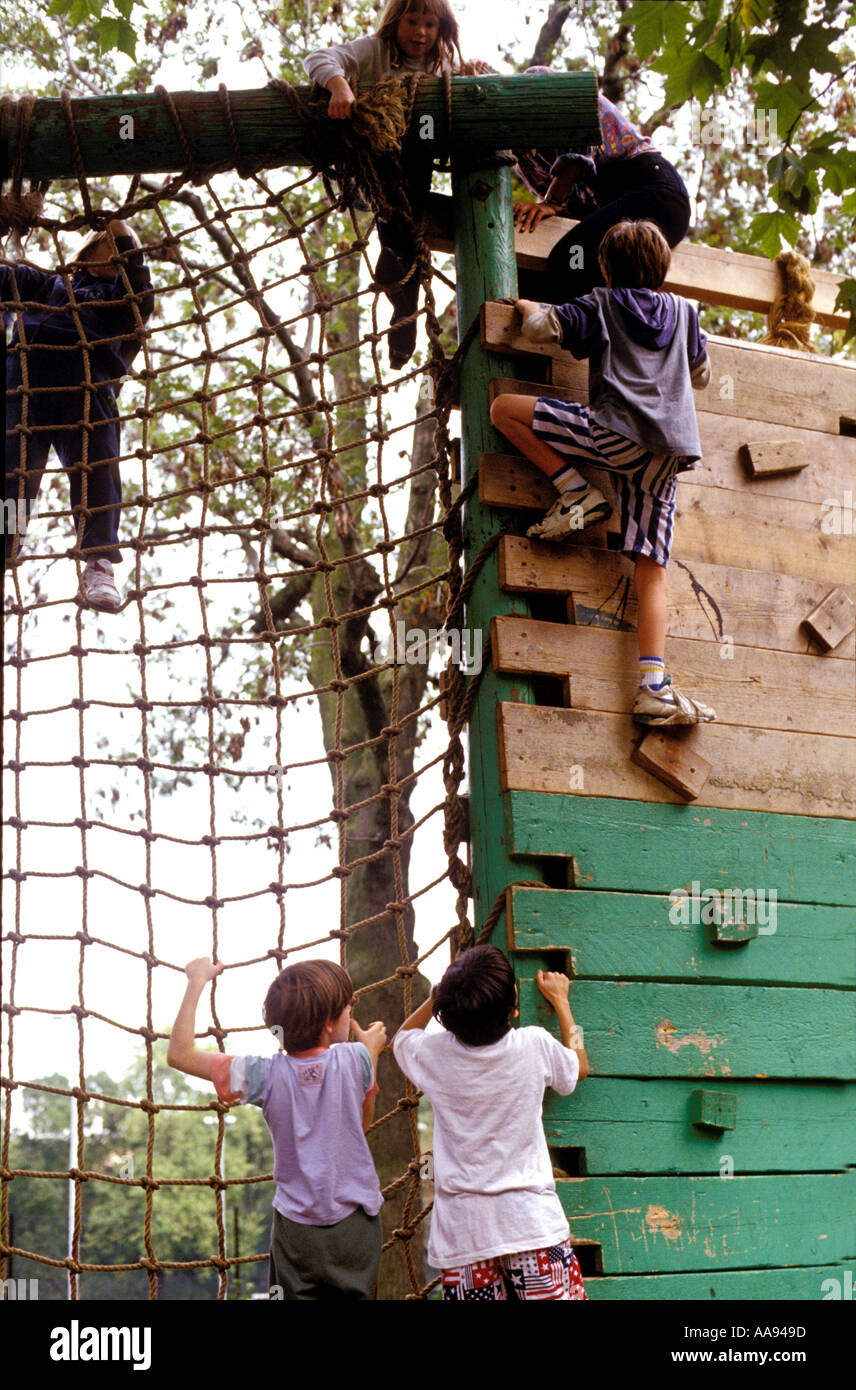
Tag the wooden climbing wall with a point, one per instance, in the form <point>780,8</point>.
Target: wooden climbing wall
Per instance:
<point>707,1154</point>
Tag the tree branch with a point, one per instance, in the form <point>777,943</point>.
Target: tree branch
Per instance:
<point>303,376</point>
<point>551,32</point>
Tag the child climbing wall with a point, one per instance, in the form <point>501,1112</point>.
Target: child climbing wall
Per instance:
<point>646,349</point>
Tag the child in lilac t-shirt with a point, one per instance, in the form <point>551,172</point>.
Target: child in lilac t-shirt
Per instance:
<point>317,1097</point>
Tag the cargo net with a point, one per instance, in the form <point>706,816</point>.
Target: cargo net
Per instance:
<point>246,761</point>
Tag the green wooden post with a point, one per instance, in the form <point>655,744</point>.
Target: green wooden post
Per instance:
<point>486,269</point>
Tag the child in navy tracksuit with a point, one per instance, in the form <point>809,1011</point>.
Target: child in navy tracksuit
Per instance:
<point>646,352</point>
<point>55,336</point>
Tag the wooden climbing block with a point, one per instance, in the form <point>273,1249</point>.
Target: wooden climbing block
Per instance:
<point>674,762</point>
<point>769,457</point>
<point>832,620</point>
<point>507,480</point>
<point>714,1109</point>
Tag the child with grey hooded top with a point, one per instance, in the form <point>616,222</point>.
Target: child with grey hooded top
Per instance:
<point>646,353</point>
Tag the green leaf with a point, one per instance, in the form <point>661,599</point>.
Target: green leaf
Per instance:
<point>108,33</point>
<point>124,7</point>
<point>769,229</point>
<point>646,19</point>
<point>60,6</point>
<point>754,14</point>
<point>127,41</point>
<point>676,20</point>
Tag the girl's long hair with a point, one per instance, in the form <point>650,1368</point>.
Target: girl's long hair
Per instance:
<point>446,51</point>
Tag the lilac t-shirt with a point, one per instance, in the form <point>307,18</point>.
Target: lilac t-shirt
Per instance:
<point>313,1107</point>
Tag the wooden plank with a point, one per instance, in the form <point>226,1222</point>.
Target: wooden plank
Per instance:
<point>805,1283</point>
<point>832,620</point>
<point>758,382</point>
<point>673,762</point>
<point>646,1028</point>
<point>662,1225</point>
<point>832,471</point>
<point>706,273</point>
<point>645,936</point>
<point>747,686</point>
<point>644,846</point>
<point>773,456</point>
<point>753,769</point>
<point>743,530</point>
<point>628,1126</point>
<point>706,602</point>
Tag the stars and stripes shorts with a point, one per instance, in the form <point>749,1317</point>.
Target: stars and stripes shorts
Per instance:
<point>644,482</point>
<point>551,1275</point>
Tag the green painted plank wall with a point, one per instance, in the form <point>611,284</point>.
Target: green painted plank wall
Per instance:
<point>819,1282</point>
<point>650,1225</point>
<point>648,848</point>
<point>640,1029</point>
<point>632,935</point>
<point>645,1126</point>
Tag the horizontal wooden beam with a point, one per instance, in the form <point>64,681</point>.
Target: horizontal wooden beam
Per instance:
<point>706,1030</point>
<point>831,461</point>
<point>625,1125</point>
<point>488,113</point>
<point>642,846</point>
<point>748,380</point>
<point>752,687</point>
<point>643,936</point>
<point>756,608</point>
<point>806,1283</point>
<point>543,749</point>
<point>709,274</point>
<point>657,1225</point>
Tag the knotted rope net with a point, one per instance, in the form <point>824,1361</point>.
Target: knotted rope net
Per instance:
<point>246,760</point>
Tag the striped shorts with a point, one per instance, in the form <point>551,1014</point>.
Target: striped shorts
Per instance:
<point>644,482</point>
<point>551,1275</point>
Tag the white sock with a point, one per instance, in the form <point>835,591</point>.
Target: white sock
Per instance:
<point>568,479</point>
<point>652,672</point>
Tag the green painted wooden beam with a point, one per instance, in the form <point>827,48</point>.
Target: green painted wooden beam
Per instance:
<point>653,848</point>
<point>638,936</point>
<point>644,1126</point>
<point>638,1029</point>
<point>668,1225</point>
<point>488,113</point>
<point>486,269</point>
<point>806,1284</point>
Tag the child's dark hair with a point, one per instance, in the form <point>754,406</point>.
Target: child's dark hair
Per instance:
<point>446,50</point>
<point>303,997</point>
<point>476,996</point>
<point>634,256</point>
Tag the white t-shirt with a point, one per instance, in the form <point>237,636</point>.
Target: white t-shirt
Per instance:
<point>494,1192</point>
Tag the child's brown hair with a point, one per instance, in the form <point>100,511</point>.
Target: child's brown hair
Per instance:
<point>446,50</point>
<point>634,256</point>
<point>302,998</point>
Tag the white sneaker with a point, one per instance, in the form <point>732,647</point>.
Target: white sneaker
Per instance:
<point>572,513</point>
<point>97,589</point>
<point>669,706</point>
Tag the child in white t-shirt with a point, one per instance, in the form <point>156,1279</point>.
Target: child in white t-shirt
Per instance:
<point>498,1231</point>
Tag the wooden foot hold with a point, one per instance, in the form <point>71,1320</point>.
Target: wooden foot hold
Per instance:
<point>772,457</point>
<point>832,620</point>
<point>673,761</point>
